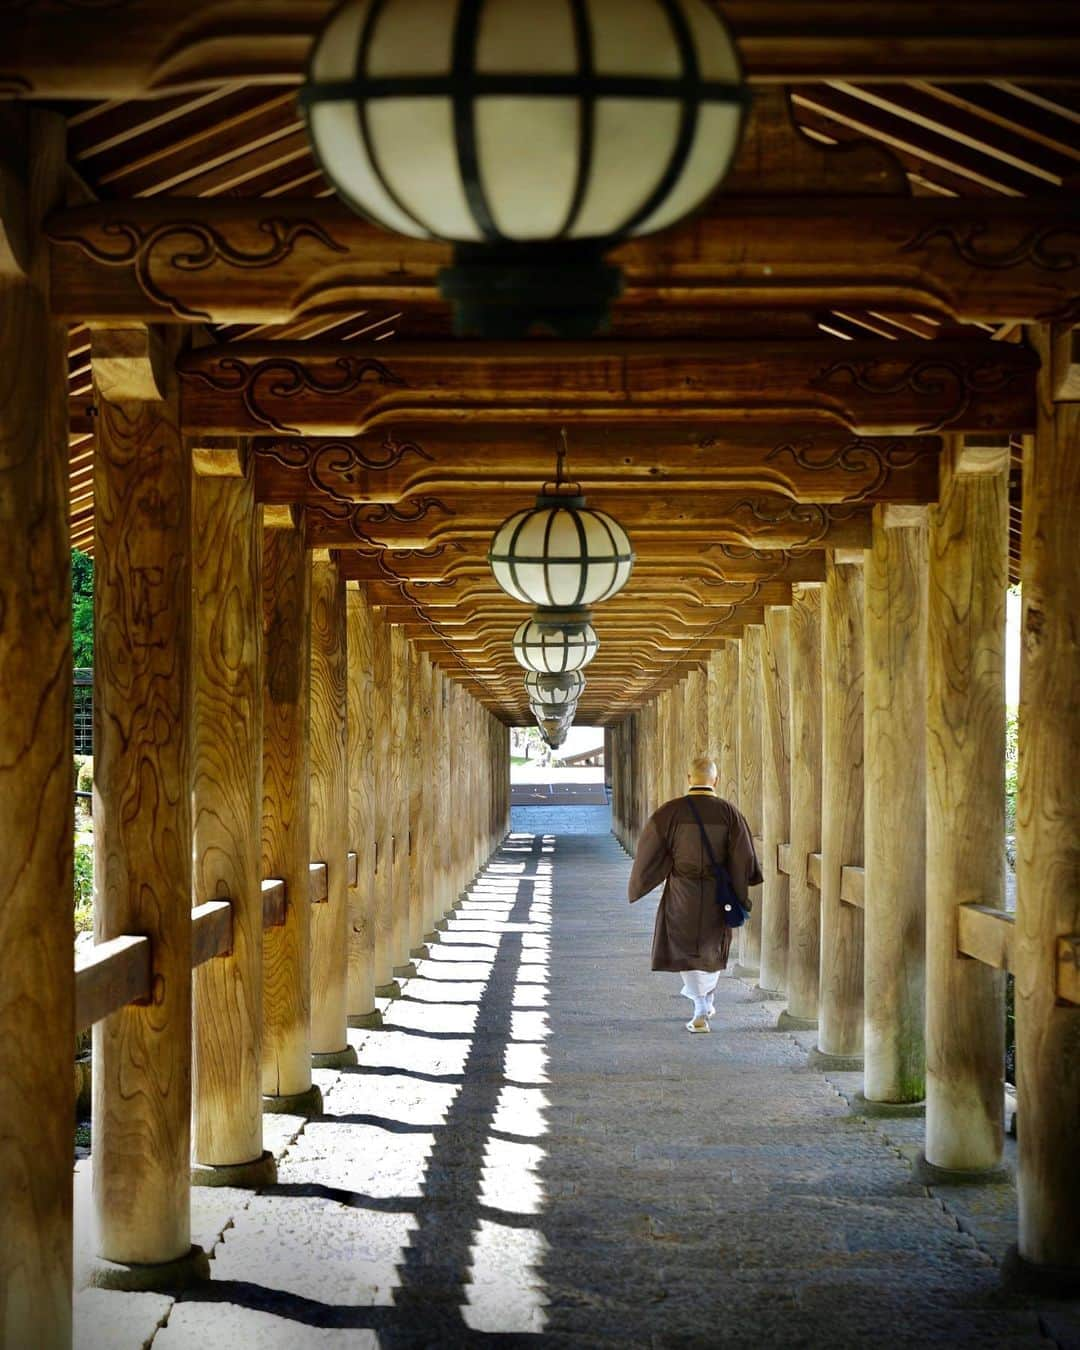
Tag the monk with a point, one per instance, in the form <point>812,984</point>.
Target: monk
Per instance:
<point>691,936</point>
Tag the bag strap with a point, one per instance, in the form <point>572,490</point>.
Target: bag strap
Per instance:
<point>701,826</point>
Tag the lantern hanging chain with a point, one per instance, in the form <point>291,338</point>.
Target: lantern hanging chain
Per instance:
<point>563,486</point>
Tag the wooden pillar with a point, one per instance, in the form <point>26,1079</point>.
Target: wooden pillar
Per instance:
<point>383,813</point>
<point>329,807</point>
<point>776,798</point>
<point>840,1006</point>
<point>713,685</point>
<point>362,792</point>
<point>432,787</point>
<point>286,828</point>
<point>1048,826</point>
<point>750,783</point>
<point>37,998</point>
<point>804,936</point>
<point>895,757</point>
<point>142,822</point>
<point>965,818</point>
<point>727,720</point>
<point>444,810</point>
<point>226,822</point>
<point>696,714</point>
<point>400,862</point>
<point>418,729</point>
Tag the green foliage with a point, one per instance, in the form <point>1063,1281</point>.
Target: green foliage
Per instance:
<point>84,888</point>
<point>82,608</point>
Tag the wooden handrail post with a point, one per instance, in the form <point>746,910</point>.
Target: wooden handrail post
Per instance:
<point>804,949</point>
<point>965,819</point>
<point>362,1011</point>
<point>776,797</point>
<point>142,812</point>
<point>37,985</point>
<point>226,822</point>
<point>750,783</point>
<point>1048,824</point>
<point>895,749</point>
<point>286,1077</point>
<point>329,808</point>
<point>840,1003</point>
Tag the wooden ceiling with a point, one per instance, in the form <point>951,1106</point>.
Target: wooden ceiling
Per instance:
<point>738,420</point>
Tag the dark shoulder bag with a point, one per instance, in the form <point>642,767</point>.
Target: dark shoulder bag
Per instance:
<point>735,915</point>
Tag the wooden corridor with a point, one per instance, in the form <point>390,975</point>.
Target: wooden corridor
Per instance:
<point>532,1151</point>
<point>836,414</point>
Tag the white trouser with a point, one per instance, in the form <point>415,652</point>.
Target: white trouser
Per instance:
<point>698,985</point>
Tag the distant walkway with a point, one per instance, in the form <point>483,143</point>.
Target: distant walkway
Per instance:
<point>535,1152</point>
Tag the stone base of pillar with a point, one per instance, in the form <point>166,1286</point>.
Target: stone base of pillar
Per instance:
<point>391,990</point>
<point>420,953</point>
<point>248,1176</point>
<point>931,1175</point>
<point>334,1059</point>
<point>744,972</point>
<point>369,1021</point>
<point>759,995</point>
<point>442,926</point>
<point>406,972</point>
<point>433,938</point>
<point>186,1271</point>
<point>819,1059</point>
<point>861,1105</point>
<point>1023,1277</point>
<point>307,1103</point>
<point>786,1022</point>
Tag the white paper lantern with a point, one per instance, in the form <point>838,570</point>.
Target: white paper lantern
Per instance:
<point>553,647</point>
<point>556,691</point>
<point>536,125</point>
<point>560,554</point>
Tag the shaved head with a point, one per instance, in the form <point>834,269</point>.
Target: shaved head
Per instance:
<point>702,771</point>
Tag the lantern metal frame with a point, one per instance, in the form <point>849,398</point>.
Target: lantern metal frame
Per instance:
<point>564,494</point>
<point>554,631</point>
<point>555,691</point>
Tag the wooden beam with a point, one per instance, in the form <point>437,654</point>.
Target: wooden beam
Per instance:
<point>853,886</point>
<point>985,934</point>
<point>151,48</point>
<point>109,976</point>
<point>874,387</point>
<point>318,891</point>
<point>807,462</point>
<point>211,931</point>
<point>273,899</point>
<point>273,260</point>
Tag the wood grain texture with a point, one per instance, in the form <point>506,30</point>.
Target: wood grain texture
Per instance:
<point>211,933</point>
<point>840,1006</point>
<point>285,820</point>
<point>441,803</point>
<point>986,936</point>
<point>775,796</point>
<point>142,822</point>
<point>726,734</point>
<point>416,772</point>
<point>804,931</point>
<point>1048,825</point>
<point>429,787</point>
<point>968,542</point>
<point>110,975</point>
<point>398,788</point>
<point>362,791</point>
<point>894,732</point>
<point>696,715</point>
<point>750,775</point>
<point>329,807</point>
<point>37,993</point>
<point>227,713</point>
<point>382,814</point>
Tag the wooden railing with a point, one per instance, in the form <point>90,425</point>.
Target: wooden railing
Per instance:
<point>982,933</point>
<point>110,975</point>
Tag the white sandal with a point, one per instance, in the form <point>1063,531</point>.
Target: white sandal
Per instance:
<point>698,1026</point>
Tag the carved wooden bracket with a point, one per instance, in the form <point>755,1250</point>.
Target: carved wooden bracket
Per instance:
<point>876,387</point>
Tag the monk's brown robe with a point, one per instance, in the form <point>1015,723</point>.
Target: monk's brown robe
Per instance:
<point>690,932</point>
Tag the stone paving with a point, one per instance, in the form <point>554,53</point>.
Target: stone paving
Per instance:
<point>535,1152</point>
